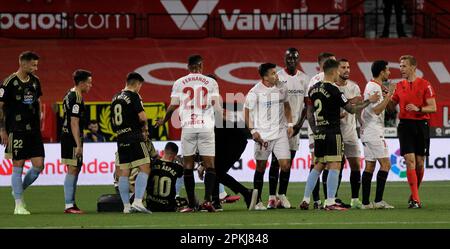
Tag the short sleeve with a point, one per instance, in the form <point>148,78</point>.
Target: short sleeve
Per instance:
<point>395,96</point>
<point>370,90</point>
<point>38,88</point>
<point>341,99</point>
<point>306,86</point>
<point>357,91</point>
<point>284,93</point>
<point>4,93</point>
<point>137,103</point>
<point>175,95</point>
<point>179,170</point>
<point>250,101</point>
<point>74,106</point>
<point>214,89</point>
<point>429,92</point>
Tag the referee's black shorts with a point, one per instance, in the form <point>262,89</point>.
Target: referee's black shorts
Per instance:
<point>414,136</point>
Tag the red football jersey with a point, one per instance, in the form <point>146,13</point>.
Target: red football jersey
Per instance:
<point>417,93</point>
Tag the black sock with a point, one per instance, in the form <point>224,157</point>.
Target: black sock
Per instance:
<point>215,193</point>
<point>258,181</point>
<point>284,181</point>
<point>274,172</point>
<point>340,174</point>
<point>381,182</point>
<point>189,185</point>
<point>366,181</point>
<point>324,182</point>
<point>210,179</point>
<point>231,183</point>
<point>355,183</point>
<point>316,190</point>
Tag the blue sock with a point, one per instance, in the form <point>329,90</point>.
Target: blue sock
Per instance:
<point>75,181</point>
<point>141,184</point>
<point>69,188</point>
<point>221,188</point>
<point>332,183</point>
<point>178,185</point>
<point>30,177</point>
<point>124,189</point>
<point>311,182</point>
<point>16,182</point>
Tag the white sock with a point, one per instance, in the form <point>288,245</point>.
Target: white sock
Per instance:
<point>70,205</point>
<point>272,197</point>
<point>127,206</point>
<point>223,195</point>
<point>330,201</point>
<point>137,201</point>
<point>306,199</point>
<point>355,199</point>
<point>19,202</point>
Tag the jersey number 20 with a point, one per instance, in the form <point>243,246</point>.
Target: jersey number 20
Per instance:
<point>198,95</point>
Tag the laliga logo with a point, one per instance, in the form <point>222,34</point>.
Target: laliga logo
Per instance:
<point>189,21</point>
<point>398,164</point>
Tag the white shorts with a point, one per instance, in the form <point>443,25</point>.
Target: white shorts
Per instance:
<point>294,142</point>
<point>374,150</point>
<point>351,149</point>
<point>203,142</point>
<point>280,147</point>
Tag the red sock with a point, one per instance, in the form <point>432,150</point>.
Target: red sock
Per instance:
<point>419,172</point>
<point>412,180</point>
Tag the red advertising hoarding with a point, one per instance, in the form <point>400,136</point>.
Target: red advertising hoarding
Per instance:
<point>233,61</point>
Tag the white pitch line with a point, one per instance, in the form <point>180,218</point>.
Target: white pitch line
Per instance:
<point>247,224</point>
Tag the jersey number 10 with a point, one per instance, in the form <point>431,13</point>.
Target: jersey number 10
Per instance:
<point>161,186</point>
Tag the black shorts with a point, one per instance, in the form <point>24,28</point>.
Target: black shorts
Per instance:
<point>24,145</point>
<point>68,146</point>
<point>414,136</point>
<point>328,147</point>
<point>132,155</point>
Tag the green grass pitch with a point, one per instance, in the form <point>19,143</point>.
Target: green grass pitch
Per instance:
<point>46,205</point>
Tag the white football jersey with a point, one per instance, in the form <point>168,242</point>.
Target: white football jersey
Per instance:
<point>266,108</point>
<point>316,78</point>
<point>194,93</point>
<point>297,86</point>
<point>348,123</point>
<point>373,125</point>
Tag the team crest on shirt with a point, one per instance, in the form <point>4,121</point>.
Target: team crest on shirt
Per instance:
<point>75,109</point>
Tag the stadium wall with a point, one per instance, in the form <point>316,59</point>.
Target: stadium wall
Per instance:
<point>99,164</point>
<point>233,61</point>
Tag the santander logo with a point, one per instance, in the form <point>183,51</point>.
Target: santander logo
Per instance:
<point>6,167</point>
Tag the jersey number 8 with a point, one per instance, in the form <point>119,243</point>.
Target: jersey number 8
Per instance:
<point>118,115</point>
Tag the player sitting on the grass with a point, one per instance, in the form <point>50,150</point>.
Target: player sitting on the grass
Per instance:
<point>161,185</point>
